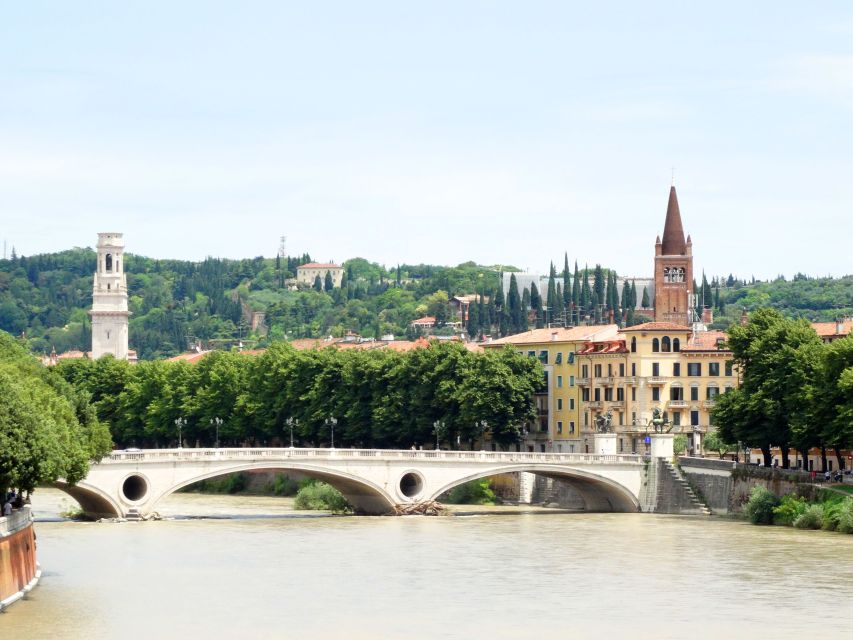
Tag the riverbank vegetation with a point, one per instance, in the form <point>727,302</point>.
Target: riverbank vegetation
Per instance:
<point>48,428</point>
<point>832,511</point>
<point>474,492</point>
<point>243,483</point>
<point>795,390</point>
<point>379,399</point>
<point>315,495</point>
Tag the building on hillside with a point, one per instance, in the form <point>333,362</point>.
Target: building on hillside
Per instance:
<point>673,269</point>
<point>109,300</point>
<point>831,331</point>
<point>307,273</point>
<point>461,304</point>
<point>557,426</point>
<point>425,323</point>
<point>524,280</point>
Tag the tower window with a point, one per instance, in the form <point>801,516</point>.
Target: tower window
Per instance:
<point>665,346</point>
<point>108,262</point>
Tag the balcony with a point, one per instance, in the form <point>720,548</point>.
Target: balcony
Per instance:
<point>709,404</point>
<point>630,381</point>
<point>605,381</point>
<point>616,404</point>
<point>677,404</point>
<point>656,381</point>
<point>582,382</point>
<point>594,404</point>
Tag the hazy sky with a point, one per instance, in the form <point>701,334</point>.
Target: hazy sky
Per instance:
<point>441,132</point>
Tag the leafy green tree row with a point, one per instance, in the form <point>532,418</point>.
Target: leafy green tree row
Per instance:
<point>795,390</point>
<point>380,398</point>
<point>48,429</point>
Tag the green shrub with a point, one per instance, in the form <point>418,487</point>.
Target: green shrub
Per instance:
<point>283,485</point>
<point>845,516</point>
<point>811,518</point>
<point>474,492</point>
<point>789,509</point>
<point>759,508</point>
<point>314,495</point>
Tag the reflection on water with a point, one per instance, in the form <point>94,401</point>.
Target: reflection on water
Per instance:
<point>622,575</point>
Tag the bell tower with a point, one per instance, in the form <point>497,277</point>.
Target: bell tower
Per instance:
<point>673,268</point>
<point>109,299</point>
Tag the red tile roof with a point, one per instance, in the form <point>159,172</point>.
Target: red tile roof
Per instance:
<point>558,334</point>
<point>706,341</point>
<point>830,329</point>
<point>657,326</point>
<point>319,265</point>
<point>605,346</point>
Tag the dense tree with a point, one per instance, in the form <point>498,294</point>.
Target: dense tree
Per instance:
<point>517,317</point>
<point>776,358</point>
<point>536,305</point>
<point>48,429</point>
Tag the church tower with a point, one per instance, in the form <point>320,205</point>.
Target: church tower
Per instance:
<point>109,299</point>
<point>673,269</point>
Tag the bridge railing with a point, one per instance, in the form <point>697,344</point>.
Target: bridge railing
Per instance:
<point>432,455</point>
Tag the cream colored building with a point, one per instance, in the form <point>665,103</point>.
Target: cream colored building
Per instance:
<point>308,273</point>
<point>656,365</point>
<point>557,426</point>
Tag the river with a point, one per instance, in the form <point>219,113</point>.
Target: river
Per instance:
<point>259,569</point>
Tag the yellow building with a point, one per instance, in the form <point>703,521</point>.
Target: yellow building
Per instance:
<point>656,365</point>
<point>557,424</point>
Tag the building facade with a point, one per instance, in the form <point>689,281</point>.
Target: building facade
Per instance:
<point>557,423</point>
<point>109,299</point>
<point>307,273</point>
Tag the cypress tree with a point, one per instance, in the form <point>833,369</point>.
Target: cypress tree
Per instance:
<point>598,284</point>
<point>559,313</point>
<point>586,294</point>
<point>576,292</point>
<point>329,284</point>
<point>525,299</point>
<point>318,284</point>
<point>645,303</point>
<point>536,304</point>
<point>473,320</point>
<point>552,294</point>
<point>567,291</point>
<point>513,303</point>
<point>481,310</point>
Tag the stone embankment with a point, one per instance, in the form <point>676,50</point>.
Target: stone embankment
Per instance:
<point>19,570</point>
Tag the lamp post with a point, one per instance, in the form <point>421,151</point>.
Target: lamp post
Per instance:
<point>216,422</point>
<point>483,425</point>
<point>438,427</point>
<point>290,422</point>
<point>331,421</point>
<point>179,423</point>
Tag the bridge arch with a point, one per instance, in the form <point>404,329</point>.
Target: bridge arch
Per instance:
<point>94,502</point>
<point>599,493</point>
<point>363,495</point>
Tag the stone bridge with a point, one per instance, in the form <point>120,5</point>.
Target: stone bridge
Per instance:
<point>131,483</point>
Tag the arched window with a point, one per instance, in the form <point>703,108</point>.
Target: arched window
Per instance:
<point>676,344</point>
<point>108,262</point>
<point>655,345</point>
<point>665,344</point>
<point>634,344</point>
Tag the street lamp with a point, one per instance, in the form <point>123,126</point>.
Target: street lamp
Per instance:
<point>438,427</point>
<point>331,421</point>
<point>290,422</point>
<point>483,425</point>
<point>216,422</point>
<point>180,422</point>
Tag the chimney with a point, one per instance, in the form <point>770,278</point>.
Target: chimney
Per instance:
<point>553,336</point>
<point>839,327</point>
<point>707,315</point>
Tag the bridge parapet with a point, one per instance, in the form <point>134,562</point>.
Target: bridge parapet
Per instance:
<point>165,455</point>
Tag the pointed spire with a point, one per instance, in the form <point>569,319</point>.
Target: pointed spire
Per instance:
<point>673,232</point>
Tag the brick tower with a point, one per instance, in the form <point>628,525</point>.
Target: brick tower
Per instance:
<point>673,268</point>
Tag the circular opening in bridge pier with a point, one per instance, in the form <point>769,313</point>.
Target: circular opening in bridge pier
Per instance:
<point>134,488</point>
<point>411,484</point>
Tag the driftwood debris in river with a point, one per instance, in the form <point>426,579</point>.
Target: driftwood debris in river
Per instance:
<point>424,508</point>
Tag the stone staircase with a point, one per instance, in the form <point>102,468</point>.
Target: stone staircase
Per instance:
<point>676,495</point>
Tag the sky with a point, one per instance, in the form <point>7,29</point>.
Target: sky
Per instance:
<point>505,133</point>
